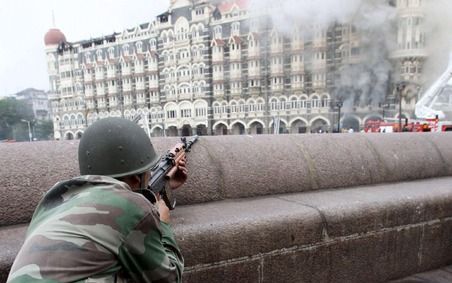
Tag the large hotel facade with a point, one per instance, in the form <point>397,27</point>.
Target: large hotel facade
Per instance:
<point>210,68</point>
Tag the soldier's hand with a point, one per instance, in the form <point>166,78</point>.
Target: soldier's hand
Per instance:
<point>180,176</point>
<point>164,211</point>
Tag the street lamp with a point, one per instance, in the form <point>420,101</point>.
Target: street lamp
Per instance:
<point>339,105</point>
<point>29,128</point>
<point>400,88</point>
<point>383,107</point>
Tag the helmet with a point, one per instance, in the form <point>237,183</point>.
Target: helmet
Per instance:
<point>115,147</point>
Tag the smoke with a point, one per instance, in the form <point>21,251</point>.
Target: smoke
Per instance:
<point>364,82</point>
<point>438,27</point>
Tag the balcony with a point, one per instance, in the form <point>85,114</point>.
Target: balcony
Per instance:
<point>185,96</point>
<point>254,73</point>
<point>297,46</point>
<point>236,75</point>
<point>319,43</point>
<point>140,86</point>
<point>217,58</point>
<point>276,49</point>
<point>277,70</point>
<point>153,99</point>
<point>100,91</point>
<point>253,53</point>
<point>401,53</point>
<point>126,71</point>
<point>111,73</point>
<point>153,84</point>
<point>297,68</point>
<point>235,55</point>
<point>183,78</point>
<point>127,86</point>
<point>139,69</point>
<point>318,64</point>
<point>219,116</point>
<point>183,61</point>
<point>199,76</point>
<point>153,67</point>
<point>255,90</point>
<point>218,77</point>
<point>236,91</point>
<point>112,89</point>
<point>218,93</point>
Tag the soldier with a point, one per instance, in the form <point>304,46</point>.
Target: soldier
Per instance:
<point>95,228</point>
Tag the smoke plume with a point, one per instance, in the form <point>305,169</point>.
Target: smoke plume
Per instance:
<point>366,82</point>
<point>438,27</point>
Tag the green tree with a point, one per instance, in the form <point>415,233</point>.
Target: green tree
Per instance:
<point>12,112</point>
<point>43,130</point>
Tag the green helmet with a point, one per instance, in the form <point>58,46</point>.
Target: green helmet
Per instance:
<point>115,147</point>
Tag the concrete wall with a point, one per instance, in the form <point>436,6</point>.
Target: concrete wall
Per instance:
<point>261,209</point>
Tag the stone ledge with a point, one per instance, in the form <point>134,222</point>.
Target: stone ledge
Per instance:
<point>363,234</point>
<point>294,220</point>
<point>231,167</point>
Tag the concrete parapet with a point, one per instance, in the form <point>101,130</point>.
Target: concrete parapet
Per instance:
<point>298,208</point>
<point>231,167</point>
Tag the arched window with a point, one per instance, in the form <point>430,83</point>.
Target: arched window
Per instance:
<point>273,103</point>
<point>139,46</point>
<point>99,55</point>
<point>293,103</point>
<point>125,50</point>
<point>153,44</point>
<point>111,52</point>
<point>234,107</point>
<point>217,32</point>
<point>235,29</point>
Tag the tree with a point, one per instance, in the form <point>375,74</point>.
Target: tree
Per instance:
<point>43,130</point>
<point>12,112</point>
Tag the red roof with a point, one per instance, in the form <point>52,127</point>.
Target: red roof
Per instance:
<point>218,42</point>
<point>153,54</point>
<point>236,39</point>
<point>53,37</point>
<point>226,6</point>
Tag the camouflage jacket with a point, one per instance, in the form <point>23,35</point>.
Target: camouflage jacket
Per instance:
<point>95,229</point>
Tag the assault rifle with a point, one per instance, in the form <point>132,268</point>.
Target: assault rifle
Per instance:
<point>166,168</point>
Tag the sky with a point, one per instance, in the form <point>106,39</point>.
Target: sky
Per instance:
<point>23,24</point>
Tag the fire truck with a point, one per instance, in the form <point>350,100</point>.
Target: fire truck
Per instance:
<point>426,125</point>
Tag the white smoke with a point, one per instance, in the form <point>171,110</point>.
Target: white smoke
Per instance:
<point>365,83</point>
<point>438,30</point>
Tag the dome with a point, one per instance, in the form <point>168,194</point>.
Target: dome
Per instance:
<point>53,37</point>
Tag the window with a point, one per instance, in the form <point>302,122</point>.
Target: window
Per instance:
<point>217,32</point>
<point>171,114</point>
<point>99,55</point>
<point>186,113</point>
<point>111,53</point>
<point>139,46</point>
<point>200,112</point>
<point>125,50</point>
<point>235,29</point>
<point>153,44</point>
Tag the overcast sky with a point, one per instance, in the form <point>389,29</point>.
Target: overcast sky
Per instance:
<point>23,24</point>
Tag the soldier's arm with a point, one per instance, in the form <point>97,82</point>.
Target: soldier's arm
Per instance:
<point>150,252</point>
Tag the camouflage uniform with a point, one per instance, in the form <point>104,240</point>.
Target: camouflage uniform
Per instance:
<point>95,229</point>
